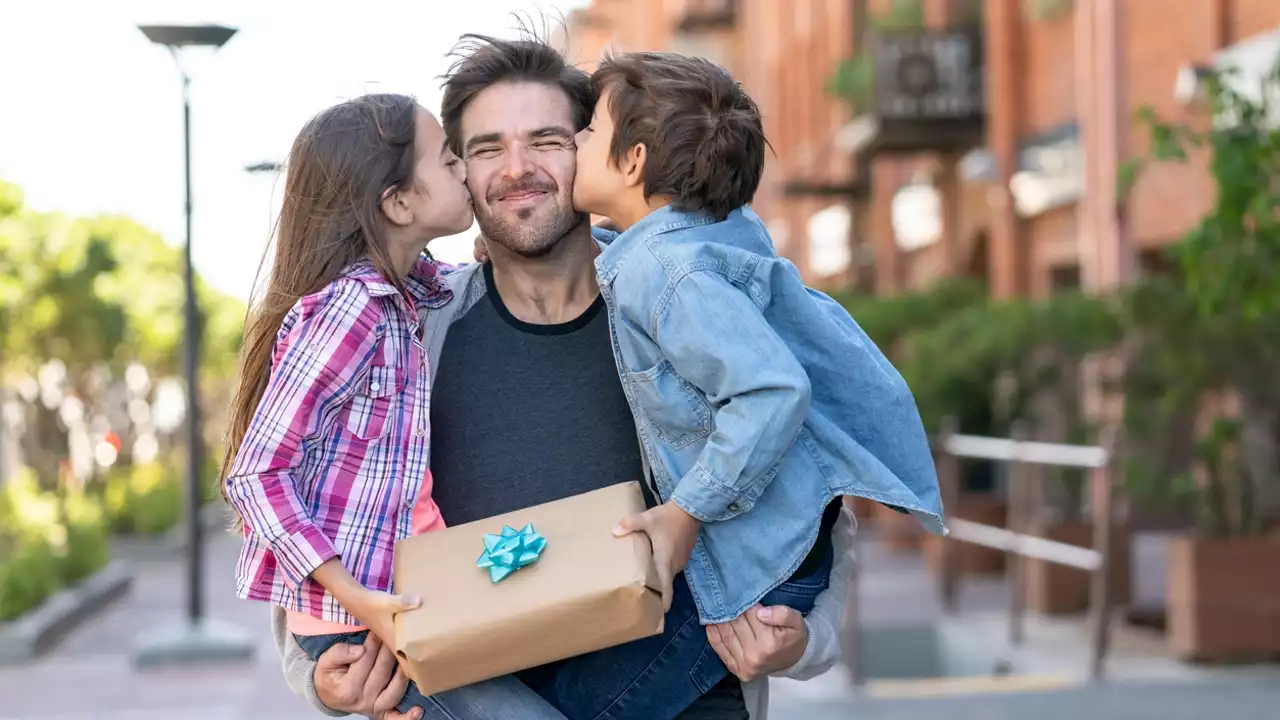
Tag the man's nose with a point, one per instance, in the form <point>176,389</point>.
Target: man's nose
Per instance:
<point>517,164</point>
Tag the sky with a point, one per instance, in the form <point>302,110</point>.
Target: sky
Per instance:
<point>91,113</point>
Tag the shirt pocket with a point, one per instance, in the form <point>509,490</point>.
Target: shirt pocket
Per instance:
<point>368,414</point>
<point>678,414</point>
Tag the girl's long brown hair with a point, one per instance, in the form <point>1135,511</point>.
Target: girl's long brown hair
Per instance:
<point>337,172</point>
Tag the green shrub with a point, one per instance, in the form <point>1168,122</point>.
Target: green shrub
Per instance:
<point>28,572</point>
<point>143,499</point>
<point>86,550</point>
<point>45,544</point>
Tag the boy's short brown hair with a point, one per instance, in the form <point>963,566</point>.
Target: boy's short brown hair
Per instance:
<point>703,133</point>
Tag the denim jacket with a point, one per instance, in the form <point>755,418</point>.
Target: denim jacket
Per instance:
<point>758,400</point>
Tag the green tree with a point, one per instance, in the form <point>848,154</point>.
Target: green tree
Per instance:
<point>1214,328</point>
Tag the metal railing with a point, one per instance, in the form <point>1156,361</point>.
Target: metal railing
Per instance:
<point>1021,455</point>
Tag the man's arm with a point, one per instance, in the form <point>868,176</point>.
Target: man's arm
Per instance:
<point>360,679</point>
<point>827,617</point>
<point>716,337</point>
<point>299,668</point>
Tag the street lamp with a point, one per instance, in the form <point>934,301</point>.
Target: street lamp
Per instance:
<point>196,639</point>
<point>267,166</point>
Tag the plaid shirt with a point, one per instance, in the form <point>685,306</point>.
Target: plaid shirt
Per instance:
<point>337,452</point>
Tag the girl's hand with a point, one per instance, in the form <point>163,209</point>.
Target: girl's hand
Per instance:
<point>377,611</point>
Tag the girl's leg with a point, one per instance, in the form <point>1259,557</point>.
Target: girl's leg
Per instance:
<point>502,698</point>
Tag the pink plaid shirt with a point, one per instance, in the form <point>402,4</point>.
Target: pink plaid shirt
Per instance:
<point>337,453</point>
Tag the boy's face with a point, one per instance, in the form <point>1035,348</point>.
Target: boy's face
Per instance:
<point>598,185</point>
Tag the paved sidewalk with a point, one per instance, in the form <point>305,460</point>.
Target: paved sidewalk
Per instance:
<point>90,676</point>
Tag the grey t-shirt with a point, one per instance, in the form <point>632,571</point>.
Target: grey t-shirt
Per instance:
<point>524,414</point>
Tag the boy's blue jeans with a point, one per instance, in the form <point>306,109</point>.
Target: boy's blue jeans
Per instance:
<point>654,678</point>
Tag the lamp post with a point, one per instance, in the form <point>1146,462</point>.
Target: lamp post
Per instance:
<point>266,166</point>
<point>195,639</point>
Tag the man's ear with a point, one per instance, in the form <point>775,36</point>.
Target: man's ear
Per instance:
<point>633,165</point>
<point>395,208</point>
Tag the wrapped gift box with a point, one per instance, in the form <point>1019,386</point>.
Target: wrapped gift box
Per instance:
<point>586,590</point>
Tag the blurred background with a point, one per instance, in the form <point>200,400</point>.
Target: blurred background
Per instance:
<point>1060,218</point>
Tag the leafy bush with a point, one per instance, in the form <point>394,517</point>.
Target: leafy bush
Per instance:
<point>86,551</point>
<point>1207,338</point>
<point>143,499</point>
<point>45,544</point>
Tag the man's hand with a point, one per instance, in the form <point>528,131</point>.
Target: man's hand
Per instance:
<point>672,533</point>
<point>362,680</point>
<point>481,250</point>
<point>763,641</point>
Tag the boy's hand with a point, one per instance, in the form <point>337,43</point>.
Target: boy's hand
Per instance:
<point>672,533</point>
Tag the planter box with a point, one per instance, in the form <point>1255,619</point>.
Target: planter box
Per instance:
<point>27,637</point>
<point>899,532</point>
<point>1223,598</point>
<point>972,559</point>
<point>1061,590</point>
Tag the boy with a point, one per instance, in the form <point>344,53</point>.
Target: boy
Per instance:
<point>760,402</point>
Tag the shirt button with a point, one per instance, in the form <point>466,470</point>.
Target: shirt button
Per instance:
<point>421,432</point>
<point>733,507</point>
<point>374,386</point>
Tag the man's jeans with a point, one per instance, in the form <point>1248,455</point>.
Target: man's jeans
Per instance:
<point>655,678</point>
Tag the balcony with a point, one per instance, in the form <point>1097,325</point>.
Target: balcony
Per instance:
<point>926,94</point>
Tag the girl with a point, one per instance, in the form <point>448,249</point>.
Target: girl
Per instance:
<point>326,463</point>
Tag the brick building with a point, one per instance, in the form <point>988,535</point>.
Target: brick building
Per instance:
<point>1007,170</point>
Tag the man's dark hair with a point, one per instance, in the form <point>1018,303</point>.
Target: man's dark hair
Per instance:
<point>481,61</point>
<point>703,135</point>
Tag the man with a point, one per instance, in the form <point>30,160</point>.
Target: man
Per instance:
<point>527,405</point>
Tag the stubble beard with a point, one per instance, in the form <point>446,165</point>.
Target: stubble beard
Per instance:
<point>526,234</point>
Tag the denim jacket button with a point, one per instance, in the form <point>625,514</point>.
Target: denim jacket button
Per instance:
<point>733,507</point>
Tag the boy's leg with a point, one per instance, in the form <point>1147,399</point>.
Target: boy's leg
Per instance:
<point>724,702</point>
<point>800,593</point>
<point>654,678</point>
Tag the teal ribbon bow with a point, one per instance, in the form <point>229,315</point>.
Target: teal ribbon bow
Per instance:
<point>513,549</point>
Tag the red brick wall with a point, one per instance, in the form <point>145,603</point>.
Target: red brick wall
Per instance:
<point>1047,55</point>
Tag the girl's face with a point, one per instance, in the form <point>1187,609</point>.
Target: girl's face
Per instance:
<point>438,201</point>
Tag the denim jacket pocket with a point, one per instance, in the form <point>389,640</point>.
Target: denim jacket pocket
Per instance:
<point>367,414</point>
<point>677,412</point>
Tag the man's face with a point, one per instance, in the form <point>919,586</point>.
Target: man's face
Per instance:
<point>517,139</point>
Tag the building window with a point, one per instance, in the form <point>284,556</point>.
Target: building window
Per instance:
<point>1064,278</point>
<point>829,241</point>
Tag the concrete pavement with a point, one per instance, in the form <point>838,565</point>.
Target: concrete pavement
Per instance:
<point>90,675</point>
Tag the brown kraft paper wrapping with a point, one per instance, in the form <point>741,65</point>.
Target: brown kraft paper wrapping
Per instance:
<point>587,591</point>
